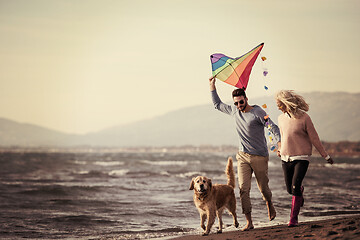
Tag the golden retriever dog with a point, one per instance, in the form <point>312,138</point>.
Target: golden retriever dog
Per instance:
<point>211,200</point>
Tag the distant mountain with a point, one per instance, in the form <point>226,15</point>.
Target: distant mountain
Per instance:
<point>189,126</point>
<point>19,134</point>
<point>336,117</point>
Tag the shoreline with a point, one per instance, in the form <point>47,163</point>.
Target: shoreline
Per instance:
<point>335,149</point>
<point>338,228</point>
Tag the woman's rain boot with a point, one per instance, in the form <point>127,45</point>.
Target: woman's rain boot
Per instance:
<point>295,209</point>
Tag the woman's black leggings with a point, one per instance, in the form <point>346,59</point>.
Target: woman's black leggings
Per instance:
<point>294,173</point>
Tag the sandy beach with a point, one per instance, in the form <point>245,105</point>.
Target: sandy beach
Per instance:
<point>339,228</point>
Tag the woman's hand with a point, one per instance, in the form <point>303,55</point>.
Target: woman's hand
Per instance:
<point>278,150</point>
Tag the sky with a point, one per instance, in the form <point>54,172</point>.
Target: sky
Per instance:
<point>83,66</point>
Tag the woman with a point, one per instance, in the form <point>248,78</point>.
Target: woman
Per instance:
<point>298,134</point>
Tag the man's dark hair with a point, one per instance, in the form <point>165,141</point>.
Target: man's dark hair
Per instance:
<point>239,92</point>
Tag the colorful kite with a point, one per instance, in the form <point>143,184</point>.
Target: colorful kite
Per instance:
<point>234,71</point>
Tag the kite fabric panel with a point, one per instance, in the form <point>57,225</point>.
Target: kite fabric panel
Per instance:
<point>234,71</point>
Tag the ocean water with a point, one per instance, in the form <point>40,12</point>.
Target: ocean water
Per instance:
<point>104,195</point>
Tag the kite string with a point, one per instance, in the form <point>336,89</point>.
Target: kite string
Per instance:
<point>272,143</point>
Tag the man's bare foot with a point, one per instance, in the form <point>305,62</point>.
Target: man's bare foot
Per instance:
<point>271,210</point>
<point>249,224</point>
<point>248,227</point>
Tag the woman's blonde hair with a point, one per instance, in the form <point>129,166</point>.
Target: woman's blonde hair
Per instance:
<point>294,103</point>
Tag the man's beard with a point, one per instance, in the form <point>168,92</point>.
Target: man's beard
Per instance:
<point>243,108</point>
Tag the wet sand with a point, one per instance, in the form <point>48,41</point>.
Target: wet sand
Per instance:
<point>339,228</point>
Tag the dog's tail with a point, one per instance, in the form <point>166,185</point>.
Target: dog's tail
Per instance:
<point>230,173</point>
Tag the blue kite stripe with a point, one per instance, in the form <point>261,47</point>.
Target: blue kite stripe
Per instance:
<point>221,62</point>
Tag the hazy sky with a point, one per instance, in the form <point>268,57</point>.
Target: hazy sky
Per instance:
<point>79,66</point>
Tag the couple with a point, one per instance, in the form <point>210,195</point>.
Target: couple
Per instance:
<point>297,135</point>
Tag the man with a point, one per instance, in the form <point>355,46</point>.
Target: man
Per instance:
<point>253,155</point>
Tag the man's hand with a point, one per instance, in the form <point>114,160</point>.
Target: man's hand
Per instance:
<point>212,83</point>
